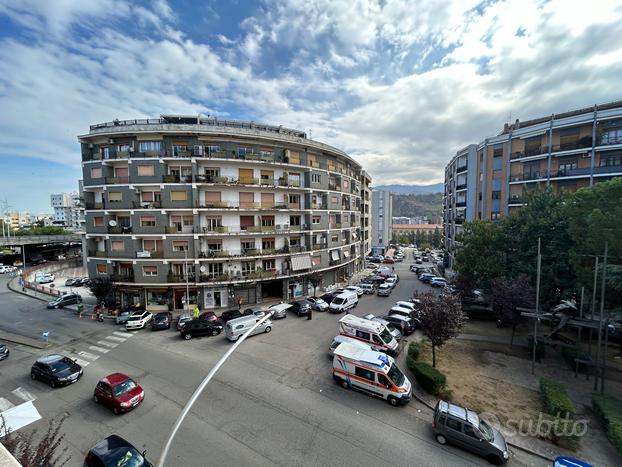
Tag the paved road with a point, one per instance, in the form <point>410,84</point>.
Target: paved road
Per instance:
<point>274,402</point>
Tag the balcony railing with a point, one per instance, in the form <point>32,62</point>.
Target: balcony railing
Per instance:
<point>462,186</point>
<point>147,204</point>
<point>530,176</point>
<point>150,254</point>
<point>214,278</point>
<point>571,172</point>
<point>120,229</point>
<point>117,180</point>
<point>96,205</point>
<point>515,200</point>
<point>116,277</point>
<point>171,277</point>
<point>462,168</point>
<point>461,204</point>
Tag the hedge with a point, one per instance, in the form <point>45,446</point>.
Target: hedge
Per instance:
<point>609,410</point>
<point>429,378</point>
<point>555,399</point>
<point>570,353</point>
<point>413,350</point>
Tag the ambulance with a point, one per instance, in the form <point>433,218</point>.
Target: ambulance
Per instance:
<point>374,373</point>
<point>373,333</point>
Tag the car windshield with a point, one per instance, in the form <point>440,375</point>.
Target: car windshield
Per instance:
<point>396,375</point>
<point>319,301</point>
<point>486,431</point>
<point>161,318</point>
<point>124,387</point>
<point>124,457</point>
<point>60,365</point>
<point>135,318</point>
<point>338,301</point>
<point>386,336</point>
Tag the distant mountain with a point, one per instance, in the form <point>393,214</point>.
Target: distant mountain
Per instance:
<point>420,204</point>
<point>410,189</point>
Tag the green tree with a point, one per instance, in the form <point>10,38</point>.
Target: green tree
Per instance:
<point>49,230</point>
<point>436,238</point>
<point>316,279</point>
<point>510,294</point>
<point>543,216</point>
<point>102,288</point>
<point>480,258</point>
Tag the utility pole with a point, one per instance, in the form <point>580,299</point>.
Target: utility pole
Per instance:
<point>535,321</point>
<point>600,321</point>
<point>187,285</point>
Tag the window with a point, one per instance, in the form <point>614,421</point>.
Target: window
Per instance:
<point>243,151</point>
<point>495,216</point>
<point>98,221</point>
<point>147,221</point>
<point>117,245</point>
<point>248,267</point>
<point>106,152</point>
<point>364,373</point>
<point>363,335</point>
<point>146,170</point>
<point>149,146</point>
<point>157,298</point>
<point>150,270</point>
<point>454,424</point>
<point>124,147</point>
<point>267,243</point>
<point>213,148</point>
<point>382,379</point>
<point>268,265</point>
<point>612,137</point>
<point>213,223</point>
<point>567,166</point>
<point>150,196</point>
<point>214,245</point>
<point>294,241</point>
<point>345,184</point>
<point>180,245</point>
<point>316,219</point>
<point>316,178</point>
<point>96,172</point>
<point>496,195</point>
<point>214,269</point>
<point>294,199</point>
<point>334,238</point>
<point>115,196</point>
<point>179,195</point>
<point>611,161</point>
<point>211,173</point>
<point>101,268</point>
<point>317,260</point>
<point>294,220</point>
<point>266,221</point>
<point>469,431</point>
<point>187,220</point>
<point>247,243</point>
<point>441,420</point>
<point>149,245</point>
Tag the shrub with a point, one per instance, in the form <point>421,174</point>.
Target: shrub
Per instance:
<point>609,410</point>
<point>555,399</point>
<point>413,350</point>
<point>539,348</point>
<point>430,379</point>
<point>570,353</point>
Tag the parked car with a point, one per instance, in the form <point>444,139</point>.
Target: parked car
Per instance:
<point>279,310</point>
<point>368,289</point>
<point>388,260</point>
<point>230,314</point>
<point>200,327</point>
<point>384,290</point>
<point>341,339</point>
<point>374,279</point>
<point>236,327</point>
<point>56,370</point>
<point>328,297</point>
<point>438,281</point>
<point>162,320</point>
<point>391,281</point>
<point>44,278</point>
<point>395,331</point>
<point>394,276</point>
<point>410,305</point>
<point>84,281</point>
<point>300,307</point>
<point>426,277</point>
<point>65,300</point>
<point>209,316</point>
<point>71,281</point>
<point>115,451</point>
<point>119,393</point>
<point>405,324</point>
<point>122,317</point>
<point>464,428</point>
<point>138,320</point>
<point>343,302</point>
<point>356,289</point>
<point>317,303</point>
<point>182,320</point>
<point>4,352</point>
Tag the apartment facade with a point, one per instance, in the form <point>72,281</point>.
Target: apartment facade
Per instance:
<point>566,151</point>
<point>68,210</point>
<point>382,213</point>
<point>185,210</point>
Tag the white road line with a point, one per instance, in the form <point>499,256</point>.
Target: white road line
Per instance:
<point>123,334</point>
<point>88,356</point>
<point>115,338</point>
<point>81,362</point>
<point>23,394</point>
<point>107,344</point>
<point>5,404</point>
<point>98,349</point>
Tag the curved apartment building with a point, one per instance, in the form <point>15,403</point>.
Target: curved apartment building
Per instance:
<point>191,210</point>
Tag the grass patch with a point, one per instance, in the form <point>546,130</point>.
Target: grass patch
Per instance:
<point>609,410</point>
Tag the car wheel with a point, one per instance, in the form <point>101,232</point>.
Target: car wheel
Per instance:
<point>187,336</point>
<point>344,384</point>
<point>440,439</point>
<point>95,399</point>
<point>268,329</point>
<point>52,384</point>
<point>392,400</point>
<point>115,411</point>
<point>33,376</point>
<point>494,460</point>
<point>214,332</point>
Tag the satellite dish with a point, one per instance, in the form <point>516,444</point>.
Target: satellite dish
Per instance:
<point>112,223</point>
<point>202,269</point>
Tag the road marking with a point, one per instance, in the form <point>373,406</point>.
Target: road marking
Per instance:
<point>88,356</point>
<point>98,349</point>
<point>81,362</point>
<point>122,334</point>
<point>107,344</point>
<point>5,404</point>
<point>23,394</point>
<point>115,338</point>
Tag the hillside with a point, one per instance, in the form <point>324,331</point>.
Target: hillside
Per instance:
<point>412,205</point>
<point>410,189</point>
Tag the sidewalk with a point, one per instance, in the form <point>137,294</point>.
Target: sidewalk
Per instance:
<point>23,340</point>
<point>520,341</point>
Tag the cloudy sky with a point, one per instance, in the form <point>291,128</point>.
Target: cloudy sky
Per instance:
<point>400,85</point>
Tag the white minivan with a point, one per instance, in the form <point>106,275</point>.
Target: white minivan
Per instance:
<point>238,326</point>
<point>344,301</point>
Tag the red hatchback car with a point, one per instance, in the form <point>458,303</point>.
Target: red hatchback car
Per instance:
<point>119,393</point>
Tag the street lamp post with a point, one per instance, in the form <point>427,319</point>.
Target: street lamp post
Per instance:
<point>197,392</point>
<point>187,285</point>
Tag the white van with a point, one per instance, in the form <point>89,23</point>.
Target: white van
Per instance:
<point>341,339</point>
<point>372,372</point>
<point>344,301</point>
<point>238,326</point>
<point>367,288</point>
<point>370,332</point>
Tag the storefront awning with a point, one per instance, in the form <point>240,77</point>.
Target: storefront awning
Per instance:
<point>334,255</point>
<point>301,262</point>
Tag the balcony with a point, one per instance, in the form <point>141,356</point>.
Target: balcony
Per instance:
<point>214,278</point>
<point>147,204</point>
<point>98,253</point>
<point>459,220</point>
<point>571,172</point>
<point>117,277</point>
<point>516,200</point>
<point>248,181</point>
<point>150,254</point>
<point>461,204</point>
<point>171,277</point>
<point>583,143</point>
<point>608,169</point>
<point>535,175</point>
<point>120,229</point>
<point>117,180</point>
<point>462,186</point>
<point>462,168</point>
<point>96,205</point>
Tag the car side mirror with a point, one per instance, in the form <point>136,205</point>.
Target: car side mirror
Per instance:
<point>144,452</point>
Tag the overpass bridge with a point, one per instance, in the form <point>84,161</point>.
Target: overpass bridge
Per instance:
<point>39,240</point>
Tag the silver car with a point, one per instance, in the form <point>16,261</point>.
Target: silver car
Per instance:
<point>317,303</point>
<point>279,310</point>
<point>183,319</point>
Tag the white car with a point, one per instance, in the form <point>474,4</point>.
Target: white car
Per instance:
<point>138,320</point>
<point>354,288</point>
<point>44,278</point>
<point>279,310</point>
<point>409,305</point>
<point>391,281</point>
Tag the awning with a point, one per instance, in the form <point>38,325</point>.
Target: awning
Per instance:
<point>300,262</point>
<point>334,255</point>
<point>19,416</point>
<point>346,254</point>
